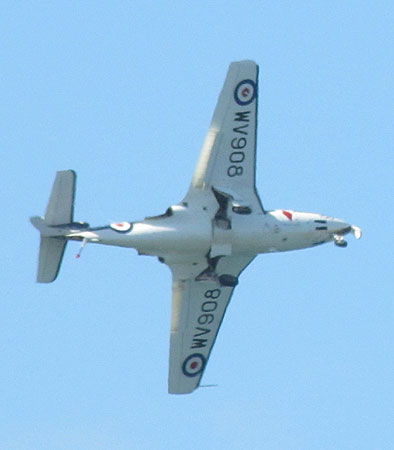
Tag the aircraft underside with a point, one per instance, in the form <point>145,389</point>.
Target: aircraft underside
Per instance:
<point>207,239</point>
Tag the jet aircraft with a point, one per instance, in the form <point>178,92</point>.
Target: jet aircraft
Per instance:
<point>208,238</point>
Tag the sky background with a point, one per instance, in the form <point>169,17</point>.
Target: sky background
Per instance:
<point>123,93</point>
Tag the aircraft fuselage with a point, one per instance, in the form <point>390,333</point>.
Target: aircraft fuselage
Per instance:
<point>186,234</point>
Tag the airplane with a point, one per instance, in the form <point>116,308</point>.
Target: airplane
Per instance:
<point>208,238</point>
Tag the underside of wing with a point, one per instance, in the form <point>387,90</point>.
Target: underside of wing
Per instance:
<point>199,302</point>
<point>227,161</point>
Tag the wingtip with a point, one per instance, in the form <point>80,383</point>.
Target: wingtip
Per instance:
<point>245,62</point>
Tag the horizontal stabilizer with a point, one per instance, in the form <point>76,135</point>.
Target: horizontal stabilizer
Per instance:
<point>60,209</point>
<point>50,259</point>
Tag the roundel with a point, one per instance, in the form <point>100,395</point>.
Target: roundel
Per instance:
<point>193,365</point>
<point>121,227</point>
<point>245,92</point>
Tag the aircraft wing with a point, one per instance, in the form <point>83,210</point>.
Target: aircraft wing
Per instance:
<point>198,307</point>
<point>227,161</point>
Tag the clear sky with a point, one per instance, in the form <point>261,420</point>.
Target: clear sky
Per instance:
<point>123,93</point>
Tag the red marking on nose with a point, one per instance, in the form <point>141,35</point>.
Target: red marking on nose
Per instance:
<point>194,365</point>
<point>119,225</point>
<point>245,92</point>
<point>288,214</point>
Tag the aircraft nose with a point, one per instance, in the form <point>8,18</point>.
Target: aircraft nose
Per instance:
<point>338,226</point>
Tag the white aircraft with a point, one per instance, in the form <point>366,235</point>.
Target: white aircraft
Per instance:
<point>208,238</point>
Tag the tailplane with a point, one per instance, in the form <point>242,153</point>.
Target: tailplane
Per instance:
<point>50,258</point>
<point>58,215</point>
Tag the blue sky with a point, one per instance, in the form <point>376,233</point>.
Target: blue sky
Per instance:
<point>123,93</point>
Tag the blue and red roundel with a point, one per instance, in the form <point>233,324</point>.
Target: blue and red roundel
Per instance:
<point>193,364</point>
<point>121,227</point>
<point>245,92</point>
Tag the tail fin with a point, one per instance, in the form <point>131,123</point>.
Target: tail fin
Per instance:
<point>60,211</point>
